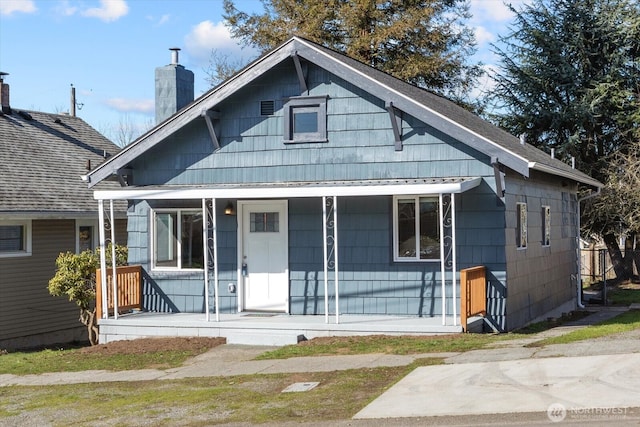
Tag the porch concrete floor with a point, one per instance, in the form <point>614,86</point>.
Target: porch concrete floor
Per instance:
<point>267,328</point>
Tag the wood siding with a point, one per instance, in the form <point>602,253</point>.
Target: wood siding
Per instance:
<point>26,307</point>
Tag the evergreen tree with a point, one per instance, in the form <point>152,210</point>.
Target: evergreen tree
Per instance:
<point>570,80</point>
<point>423,42</point>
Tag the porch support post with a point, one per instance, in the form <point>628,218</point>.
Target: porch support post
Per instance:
<point>103,260</point>
<point>210,242</point>
<point>215,259</point>
<point>330,250</point>
<point>335,256</point>
<point>442,263</point>
<point>113,261</point>
<point>205,243</point>
<point>326,259</point>
<point>454,279</point>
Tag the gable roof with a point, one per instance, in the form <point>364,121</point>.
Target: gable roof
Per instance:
<point>429,108</point>
<point>42,158</point>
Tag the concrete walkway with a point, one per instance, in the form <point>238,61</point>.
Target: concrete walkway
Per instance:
<point>507,378</point>
<point>224,360</point>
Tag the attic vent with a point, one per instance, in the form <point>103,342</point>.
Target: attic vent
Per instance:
<point>25,115</point>
<point>58,121</point>
<point>267,108</point>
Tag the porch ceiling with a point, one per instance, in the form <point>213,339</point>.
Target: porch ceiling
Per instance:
<point>294,189</point>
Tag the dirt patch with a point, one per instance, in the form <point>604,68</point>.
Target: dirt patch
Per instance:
<point>151,345</point>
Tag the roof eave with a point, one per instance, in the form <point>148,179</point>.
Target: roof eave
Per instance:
<point>580,178</point>
<point>261,192</point>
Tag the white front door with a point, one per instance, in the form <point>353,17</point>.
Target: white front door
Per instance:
<point>264,255</point>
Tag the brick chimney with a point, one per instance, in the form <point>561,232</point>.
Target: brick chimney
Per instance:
<point>4,94</point>
<point>174,87</point>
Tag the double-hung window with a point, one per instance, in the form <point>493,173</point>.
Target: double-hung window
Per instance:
<point>416,228</point>
<point>305,119</point>
<point>521,226</point>
<point>177,239</point>
<point>15,238</point>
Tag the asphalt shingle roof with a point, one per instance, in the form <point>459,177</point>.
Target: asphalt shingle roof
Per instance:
<point>457,114</point>
<point>42,157</point>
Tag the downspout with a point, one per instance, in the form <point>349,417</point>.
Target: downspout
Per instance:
<point>579,276</point>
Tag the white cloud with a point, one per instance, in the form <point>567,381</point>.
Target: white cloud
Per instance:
<point>8,7</point>
<point>494,10</point>
<point>132,105</point>
<point>65,9</point>
<point>207,36</point>
<point>163,19</point>
<point>158,21</point>
<point>109,10</point>
<point>483,36</point>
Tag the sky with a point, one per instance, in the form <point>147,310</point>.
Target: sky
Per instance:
<point>109,50</point>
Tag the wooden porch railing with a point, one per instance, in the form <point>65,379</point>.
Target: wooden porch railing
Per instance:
<point>473,294</point>
<point>129,280</point>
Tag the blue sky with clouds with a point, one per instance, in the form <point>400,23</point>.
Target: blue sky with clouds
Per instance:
<point>109,49</point>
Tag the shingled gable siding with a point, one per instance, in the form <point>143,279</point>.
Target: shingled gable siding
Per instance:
<point>539,278</point>
<point>360,142</point>
<point>360,147</point>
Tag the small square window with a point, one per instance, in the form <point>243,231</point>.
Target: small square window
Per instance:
<point>305,119</point>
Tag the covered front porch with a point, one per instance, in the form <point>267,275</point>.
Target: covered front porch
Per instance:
<point>242,324</point>
<point>267,329</point>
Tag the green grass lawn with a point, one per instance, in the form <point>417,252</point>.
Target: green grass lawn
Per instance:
<point>73,360</point>
<point>624,322</point>
<point>247,399</point>
<point>386,344</point>
<point>625,297</point>
<point>622,293</point>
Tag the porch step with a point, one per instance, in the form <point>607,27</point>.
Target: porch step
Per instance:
<point>269,331</point>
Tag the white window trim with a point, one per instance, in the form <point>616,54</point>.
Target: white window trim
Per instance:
<point>523,227</point>
<point>546,211</point>
<point>318,103</point>
<point>396,243</point>
<point>94,234</point>
<point>28,238</point>
<point>152,238</point>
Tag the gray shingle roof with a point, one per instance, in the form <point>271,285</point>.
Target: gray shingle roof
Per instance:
<point>462,117</point>
<point>42,157</point>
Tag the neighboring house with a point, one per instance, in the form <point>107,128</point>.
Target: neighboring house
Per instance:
<point>45,209</point>
<point>326,186</point>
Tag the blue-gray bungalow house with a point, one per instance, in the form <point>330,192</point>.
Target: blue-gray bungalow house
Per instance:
<point>310,184</point>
